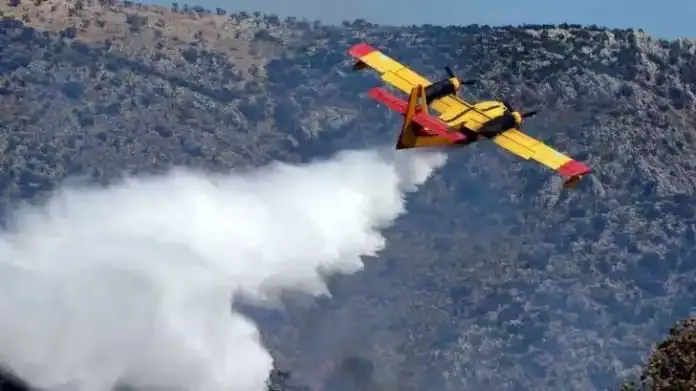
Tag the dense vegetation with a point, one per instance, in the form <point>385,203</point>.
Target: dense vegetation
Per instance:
<point>496,280</point>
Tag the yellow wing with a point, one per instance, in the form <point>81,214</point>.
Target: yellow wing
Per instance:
<point>403,78</point>
<point>528,147</point>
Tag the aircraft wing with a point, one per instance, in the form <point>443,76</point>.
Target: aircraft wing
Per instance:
<point>401,77</point>
<point>528,147</point>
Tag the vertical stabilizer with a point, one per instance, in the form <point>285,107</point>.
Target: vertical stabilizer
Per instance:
<point>418,129</point>
<point>407,137</point>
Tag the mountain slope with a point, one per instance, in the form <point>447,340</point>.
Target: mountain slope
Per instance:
<point>496,278</point>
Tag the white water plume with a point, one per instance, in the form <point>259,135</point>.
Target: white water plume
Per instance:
<point>133,283</point>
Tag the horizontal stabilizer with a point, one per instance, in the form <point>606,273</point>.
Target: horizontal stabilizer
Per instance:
<point>383,96</point>
<point>431,126</point>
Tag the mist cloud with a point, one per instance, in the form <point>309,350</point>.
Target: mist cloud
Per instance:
<point>132,284</point>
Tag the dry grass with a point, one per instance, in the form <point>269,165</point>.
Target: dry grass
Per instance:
<point>158,29</point>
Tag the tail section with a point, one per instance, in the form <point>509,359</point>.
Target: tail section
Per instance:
<point>410,130</point>
<point>419,129</point>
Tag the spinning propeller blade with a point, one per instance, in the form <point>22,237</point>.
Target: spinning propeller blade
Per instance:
<point>529,113</point>
<point>523,115</point>
<point>450,73</point>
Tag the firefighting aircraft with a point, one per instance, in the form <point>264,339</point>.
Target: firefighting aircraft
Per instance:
<point>459,123</point>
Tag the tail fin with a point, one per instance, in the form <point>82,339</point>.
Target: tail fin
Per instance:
<point>410,130</point>
<point>419,128</point>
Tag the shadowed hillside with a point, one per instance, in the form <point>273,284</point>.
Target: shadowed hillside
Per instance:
<point>496,280</point>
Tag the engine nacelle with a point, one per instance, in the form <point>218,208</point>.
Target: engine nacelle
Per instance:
<point>441,89</point>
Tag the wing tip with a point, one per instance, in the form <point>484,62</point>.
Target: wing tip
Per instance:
<point>360,50</point>
<point>573,171</point>
<point>574,167</point>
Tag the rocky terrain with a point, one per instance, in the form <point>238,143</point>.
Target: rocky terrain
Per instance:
<point>496,279</point>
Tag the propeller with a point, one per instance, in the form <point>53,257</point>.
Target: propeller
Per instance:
<point>529,113</point>
<point>523,115</point>
<point>462,82</point>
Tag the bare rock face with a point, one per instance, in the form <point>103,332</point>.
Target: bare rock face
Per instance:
<point>496,280</point>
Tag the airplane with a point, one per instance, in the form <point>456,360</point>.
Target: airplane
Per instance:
<point>459,123</point>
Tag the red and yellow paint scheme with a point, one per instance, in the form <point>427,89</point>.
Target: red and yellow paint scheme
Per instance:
<point>459,122</point>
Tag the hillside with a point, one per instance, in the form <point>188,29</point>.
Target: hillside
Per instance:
<point>495,280</point>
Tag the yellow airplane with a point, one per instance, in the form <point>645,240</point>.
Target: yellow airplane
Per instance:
<point>459,123</point>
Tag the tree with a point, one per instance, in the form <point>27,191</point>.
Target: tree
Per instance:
<point>672,364</point>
